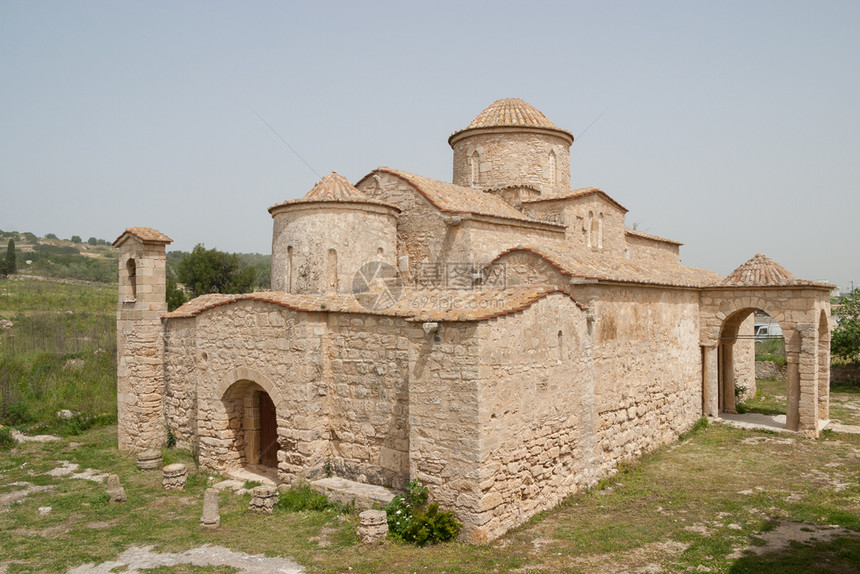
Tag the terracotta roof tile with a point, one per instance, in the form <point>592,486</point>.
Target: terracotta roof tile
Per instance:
<point>575,193</point>
<point>512,112</point>
<point>145,234</point>
<point>760,271</point>
<point>604,267</point>
<point>637,233</point>
<point>412,304</point>
<point>331,188</point>
<point>452,198</point>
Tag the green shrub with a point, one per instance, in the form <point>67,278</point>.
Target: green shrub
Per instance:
<point>302,497</point>
<point>411,519</point>
<point>6,440</point>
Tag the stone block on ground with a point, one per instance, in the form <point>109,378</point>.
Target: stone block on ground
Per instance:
<point>115,491</point>
<point>149,460</point>
<point>373,526</point>
<point>211,517</point>
<point>263,498</point>
<point>364,496</point>
<point>174,476</point>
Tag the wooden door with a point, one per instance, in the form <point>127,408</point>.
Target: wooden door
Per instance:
<point>268,432</point>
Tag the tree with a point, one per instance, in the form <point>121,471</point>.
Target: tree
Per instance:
<point>10,266</point>
<point>93,241</point>
<point>845,339</point>
<point>76,239</point>
<point>51,236</point>
<point>211,271</point>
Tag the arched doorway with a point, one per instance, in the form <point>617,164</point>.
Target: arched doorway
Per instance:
<point>252,417</point>
<point>743,337</point>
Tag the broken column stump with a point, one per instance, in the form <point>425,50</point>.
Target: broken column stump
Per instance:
<point>210,518</point>
<point>115,491</point>
<point>263,498</point>
<point>149,460</point>
<point>372,526</point>
<point>174,476</point>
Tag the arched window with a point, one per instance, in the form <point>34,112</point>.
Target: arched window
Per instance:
<point>380,254</point>
<point>331,272</point>
<point>289,281</point>
<point>131,267</point>
<point>474,164</point>
<point>552,169</point>
<point>589,229</point>
<point>600,231</point>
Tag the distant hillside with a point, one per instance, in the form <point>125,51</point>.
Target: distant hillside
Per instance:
<point>49,256</point>
<point>93,259</point>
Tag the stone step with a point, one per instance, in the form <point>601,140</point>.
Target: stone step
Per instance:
<point>364,496</point>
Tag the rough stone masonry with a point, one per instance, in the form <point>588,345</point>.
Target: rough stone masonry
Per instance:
<point>505,339</point>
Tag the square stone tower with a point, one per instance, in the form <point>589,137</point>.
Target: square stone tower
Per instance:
<point>140,338</point>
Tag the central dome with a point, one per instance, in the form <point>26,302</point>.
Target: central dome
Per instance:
<point>512,144</point>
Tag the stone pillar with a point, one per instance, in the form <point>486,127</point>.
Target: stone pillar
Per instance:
<point>174,476</point>
<point>727,384</point>
<point>792,381</point>
<point>710,384</point>
<point>211,518</point>
<point>140,339</point>
<point>808,380</point>
<point>263,498</point>
<point>373,526</point>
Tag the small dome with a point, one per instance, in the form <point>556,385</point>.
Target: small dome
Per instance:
<point>760,271</point>
<point>331,188</point>
<point>334,187</point>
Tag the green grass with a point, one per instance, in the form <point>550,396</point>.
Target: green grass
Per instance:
<point>60,353</point>
<point>770,398</point>
<point>770,350</point>
<point>687,505</point>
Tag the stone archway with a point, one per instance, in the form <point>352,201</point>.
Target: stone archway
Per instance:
<point>252,422</point>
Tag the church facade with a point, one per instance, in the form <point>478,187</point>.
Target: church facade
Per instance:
<point>503,338</point>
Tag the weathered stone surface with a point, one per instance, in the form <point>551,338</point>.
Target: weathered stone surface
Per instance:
<point>263,498</point>
<point>611,349</point>
<point>149,460</point>
<point>373,526</point>
<point>351,492</point>
<point>211,517</point>
<point>115,491</point>
<point>174,476</point>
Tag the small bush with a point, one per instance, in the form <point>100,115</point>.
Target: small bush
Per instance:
<point>411,519</point>
<point>6,440</point>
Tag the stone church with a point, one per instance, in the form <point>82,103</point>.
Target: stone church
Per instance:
<point>504,338</point>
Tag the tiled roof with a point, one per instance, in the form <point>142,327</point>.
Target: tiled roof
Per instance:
<point>574,193</point>
<point>453,198</point>
<point>511,112</point>
<point>637,233</point>
<point>412,304</point>
<point>604,267</point>
<point>760,271</point>
<point>145,234</point>
<point>331,188</point>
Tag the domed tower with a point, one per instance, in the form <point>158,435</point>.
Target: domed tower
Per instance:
<point>512,144</point>
<point>320,241</point>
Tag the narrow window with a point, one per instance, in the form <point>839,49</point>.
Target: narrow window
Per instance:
<point>289,269</point>
<point>131,266</point>
<point>560,346</point>
<point>552,174</point>
<point>331,273</point>
<point>589,228</point>
<point>475,163</point>
<point>600,232</point>
<point>380,254</point>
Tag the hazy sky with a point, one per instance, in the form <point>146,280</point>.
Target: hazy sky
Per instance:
<point>731,126</point>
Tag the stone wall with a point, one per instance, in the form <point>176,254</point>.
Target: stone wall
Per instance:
<point>180,380</point>
<point>652,251</point>
<point>319,247</point>
<point>647,363</point>
<point>581,216</point>
<point>535,415</point>
<point>512,157</point>
<point>422,235</point>
<point>368,398</point>
<point>845,374</point>
<point>444,448</point>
